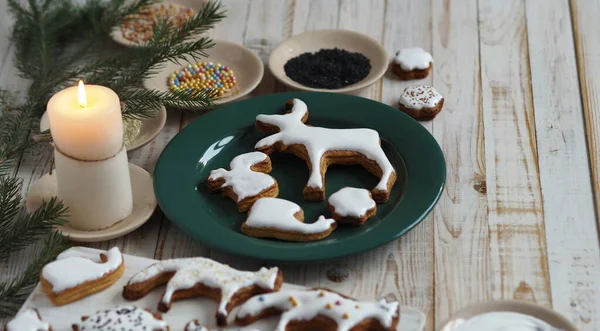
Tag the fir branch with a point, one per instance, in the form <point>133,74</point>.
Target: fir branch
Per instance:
<point>137,101</point>
<point>15,125</point>
<point>14,291</point>
<point>19,233</point>
<point>10,199</point>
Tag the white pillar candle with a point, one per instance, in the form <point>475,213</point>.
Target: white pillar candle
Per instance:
<point>98,193</point>
<point>86,122</point>
<point>92,170</point>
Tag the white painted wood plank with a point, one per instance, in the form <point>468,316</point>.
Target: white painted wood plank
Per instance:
<point>586,25</point>
<point>315,15</point>
<point>461,229</point>
<point>410,260</point>
<point>574,257</point>
<point>517,245</point>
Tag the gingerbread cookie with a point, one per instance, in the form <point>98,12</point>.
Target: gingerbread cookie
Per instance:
<point>71,277</point>
<point>421,102</point>
<point>247,181</point>
<point>199,276</point>
<point>284,220</point>
<point>412,63</point>
<point>124,318</point>
<point>28,320</point>
<point>321,147</point>
<point>320,309</point>
<point>352,206</point>
<point>196,326</point>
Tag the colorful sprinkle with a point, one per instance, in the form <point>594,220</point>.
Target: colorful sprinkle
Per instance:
<point>261,298</point>
<point>345,316</point>
<point>202,76</point>
<point>357,307</point>
<point>337,303</point>
<point>293,301</point>
<point>138,27</point>
<point>321,294</point>
<point>328,306</point>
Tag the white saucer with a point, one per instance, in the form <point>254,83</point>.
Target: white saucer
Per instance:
<point>144,203</point>
<point>150,128</point>
<point>527,308</point>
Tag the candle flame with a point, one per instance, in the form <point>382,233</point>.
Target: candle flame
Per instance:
<point>81,97</point>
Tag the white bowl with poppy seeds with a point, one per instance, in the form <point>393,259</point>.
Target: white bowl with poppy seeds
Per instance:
<point>317,40</point>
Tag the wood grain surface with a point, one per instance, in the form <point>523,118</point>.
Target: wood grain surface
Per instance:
<point>520,131</point>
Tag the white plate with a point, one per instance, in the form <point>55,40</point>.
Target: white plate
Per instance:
<point>144,203</point>
<point>150,128</point>
<point>247,67</point>
<point>181,313</point>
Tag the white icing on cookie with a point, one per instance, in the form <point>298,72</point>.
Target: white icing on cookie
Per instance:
<point>305,305</point>
<point>351,202</point>
<point>196,326</point>
<point>279,214</point>
<point>191,271</point>
<point>319,140</point>
<point>70,271</point>
<point>27,321</point>
<point>242,180</point>
<point>413,58</point>
<point>420,96</point>
<point>123,318</point>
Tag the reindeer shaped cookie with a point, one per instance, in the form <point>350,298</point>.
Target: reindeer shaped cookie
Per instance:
<point>321,147</point>
<point>246,181</point>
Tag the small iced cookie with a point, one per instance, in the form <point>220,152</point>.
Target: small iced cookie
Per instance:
<point>124,318</point>
<point>421,102</point>
<point>412,63</point>
<point>352,206</point>
<point>28,320</point>
<point>247,181</point>
<point>322,147</point>
<point>284,220</point>
<point>320,309</point>
<point>196,326</point>
<point>71,277</point>
<point>199,276</point>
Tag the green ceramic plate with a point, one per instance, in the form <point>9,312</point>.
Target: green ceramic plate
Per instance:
<point>215,138</point>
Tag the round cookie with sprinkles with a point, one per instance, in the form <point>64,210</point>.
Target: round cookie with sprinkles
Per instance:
<point>421,102</point>
<point>412,63</point>
<point>320,309</point>
<point>203,76</point>
<point>125,318</point>
<point>352,206</point>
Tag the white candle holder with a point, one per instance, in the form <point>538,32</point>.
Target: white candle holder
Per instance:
<point>97,193</point>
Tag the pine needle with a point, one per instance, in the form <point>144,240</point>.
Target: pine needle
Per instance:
<point>19,233</point>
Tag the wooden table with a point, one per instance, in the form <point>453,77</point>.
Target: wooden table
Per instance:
<point>521,134</point>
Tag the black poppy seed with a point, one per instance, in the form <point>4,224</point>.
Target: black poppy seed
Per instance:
<point>328,68</point>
